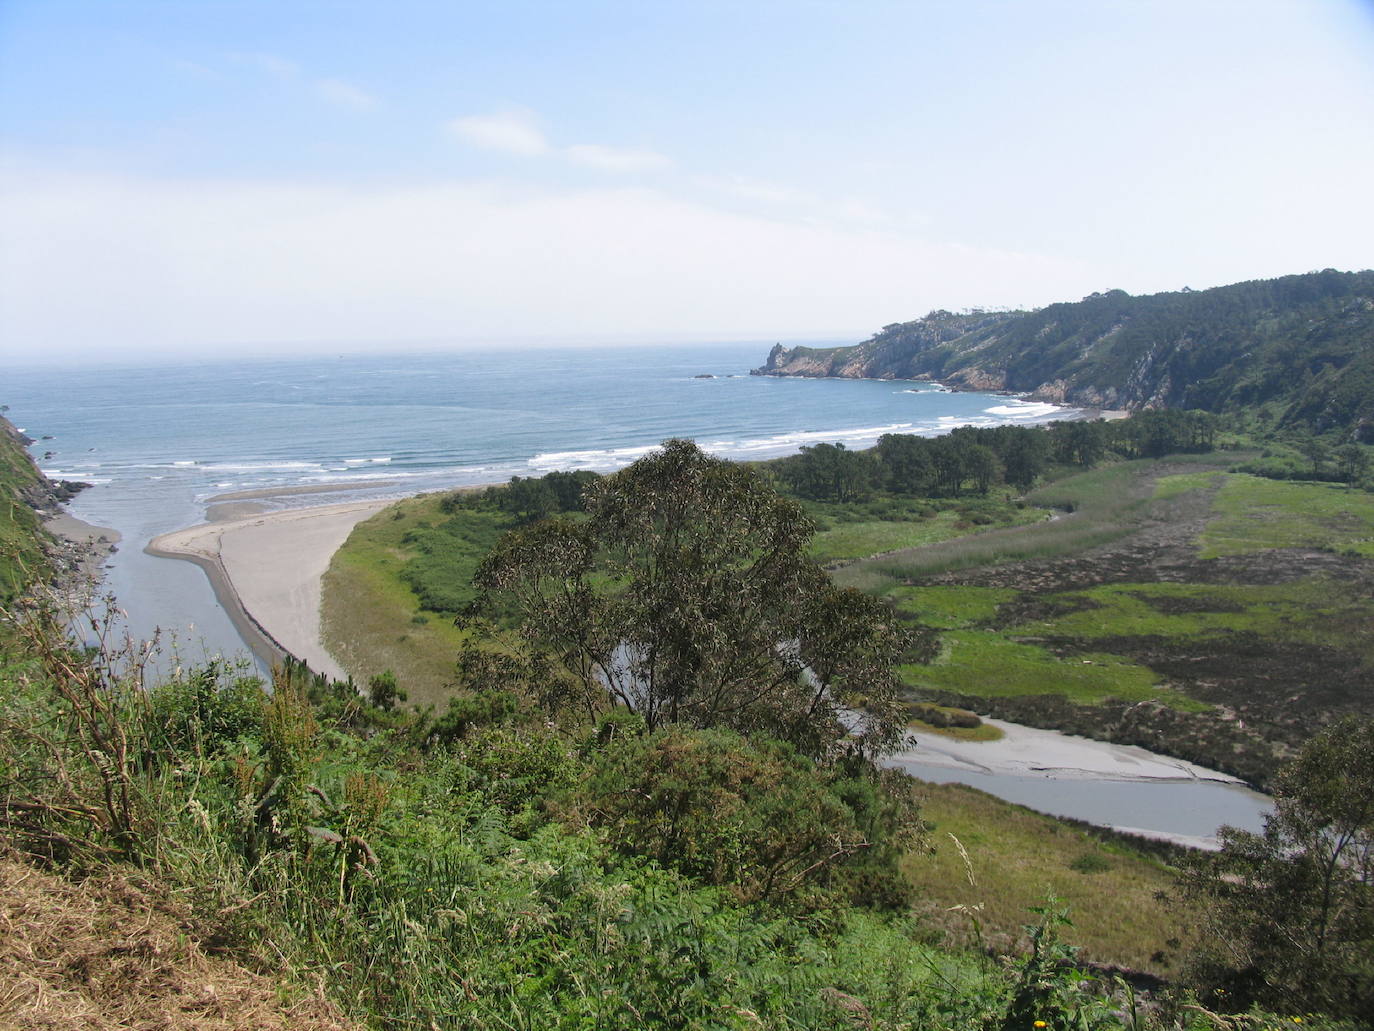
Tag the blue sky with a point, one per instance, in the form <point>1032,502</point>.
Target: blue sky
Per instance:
<point>199,177</point>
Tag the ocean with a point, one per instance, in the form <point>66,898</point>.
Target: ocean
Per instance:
<point>158,441</point>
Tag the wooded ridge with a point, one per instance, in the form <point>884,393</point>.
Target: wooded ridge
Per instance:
<point>1299,348</point>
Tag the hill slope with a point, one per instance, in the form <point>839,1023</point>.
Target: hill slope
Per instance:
<point>1301,346</point>
<point>23,542</point>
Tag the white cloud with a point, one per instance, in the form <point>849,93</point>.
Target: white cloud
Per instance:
<point>195,69</point>
<point>616,159</point>
<point>519,132</point>
<point>330,90</point>
<point>343,94</point>
<point>759,190</point>
<point>103,264</point>
<point>276,66</point>
<point>859,210</point>
<point>513,132</point>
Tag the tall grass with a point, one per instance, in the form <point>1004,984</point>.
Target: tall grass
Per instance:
<point>1086,511</point>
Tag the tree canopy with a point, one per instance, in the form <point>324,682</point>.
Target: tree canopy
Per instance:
<point>1294,906</point>
<point>687,597</point>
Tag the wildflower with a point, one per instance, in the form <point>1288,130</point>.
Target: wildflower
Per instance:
<point>1040,1023</point>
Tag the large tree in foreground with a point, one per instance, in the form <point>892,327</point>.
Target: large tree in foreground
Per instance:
<point>1293,908</point>
<point>686,596</point>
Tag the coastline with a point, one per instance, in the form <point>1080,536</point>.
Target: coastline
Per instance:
<point>266,569</point>
<point>82,549</point>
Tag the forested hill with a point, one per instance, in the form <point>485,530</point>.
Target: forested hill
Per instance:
<point>1300,346</point>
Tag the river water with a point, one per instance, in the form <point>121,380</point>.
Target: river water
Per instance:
<point>1184,809</point>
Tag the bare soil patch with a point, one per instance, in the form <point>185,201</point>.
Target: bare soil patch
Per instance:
<point>114,951</point>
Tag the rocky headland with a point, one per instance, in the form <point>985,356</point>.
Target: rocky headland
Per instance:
<point>1302,344</point>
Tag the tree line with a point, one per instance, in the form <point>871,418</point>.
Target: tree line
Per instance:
<point>972,459</point>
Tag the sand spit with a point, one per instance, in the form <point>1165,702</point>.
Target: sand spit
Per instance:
<point>267,570</point>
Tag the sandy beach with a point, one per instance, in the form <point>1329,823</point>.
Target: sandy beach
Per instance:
<point>267,569</point>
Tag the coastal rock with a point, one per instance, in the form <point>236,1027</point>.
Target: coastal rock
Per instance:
<point>975,378</point>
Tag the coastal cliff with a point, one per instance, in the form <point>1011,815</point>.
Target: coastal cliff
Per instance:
<point>30,507</point>
<point>1301,345</point>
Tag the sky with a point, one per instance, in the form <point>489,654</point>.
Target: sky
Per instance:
<point>212,177</point>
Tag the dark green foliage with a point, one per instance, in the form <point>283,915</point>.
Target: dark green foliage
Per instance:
<point>448,554</point>
<point>23,542</point>
<point>906,463</point>
<point>751,815</point>
<point>830,472</point>
<point>687,596</point>
<point>1024,459</point>
<point>1051,992</point>
<point>527,499</point>
<point>205,710</point>
<point>569,488</point>
<point>430,884</point>
<point>1294,907</point>
<point>979,458</point>
<point>1080,443</point>
<point>1299,344</point>
<point>383,691</point>
<point>469,712</point>
<point>1091,862</point>
<point>1154,434</point>
<point>440,573</point>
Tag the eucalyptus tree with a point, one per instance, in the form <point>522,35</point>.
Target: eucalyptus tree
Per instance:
<point>686,595</point>
<point>1292,909</point>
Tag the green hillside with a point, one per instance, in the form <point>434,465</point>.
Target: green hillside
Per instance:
<point>1298,351</point>
<point>22,539</point>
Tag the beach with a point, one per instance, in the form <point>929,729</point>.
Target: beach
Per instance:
<point>267,568</point>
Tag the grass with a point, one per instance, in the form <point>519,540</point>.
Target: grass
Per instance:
<point>1100,506</point>
<point>1256,514</point>
<point>987,664</point>
<point>1315,611</point>
<point>21,554</point>
<point>950,607</point>
<point>1016,857</point>
<point>373,617</point>
<point>850,532</point>
<point>985,732</point>
<point>1181,483</point>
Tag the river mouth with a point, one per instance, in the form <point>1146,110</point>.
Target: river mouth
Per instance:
<point>1118,786</point>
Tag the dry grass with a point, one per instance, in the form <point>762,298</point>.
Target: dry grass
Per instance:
<point>994,860</point>
<point>116,952</point>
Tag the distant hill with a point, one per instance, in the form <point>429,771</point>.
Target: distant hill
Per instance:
<point>1301,347</point>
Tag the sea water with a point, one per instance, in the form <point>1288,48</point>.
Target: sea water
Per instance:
<point>157,442</point>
